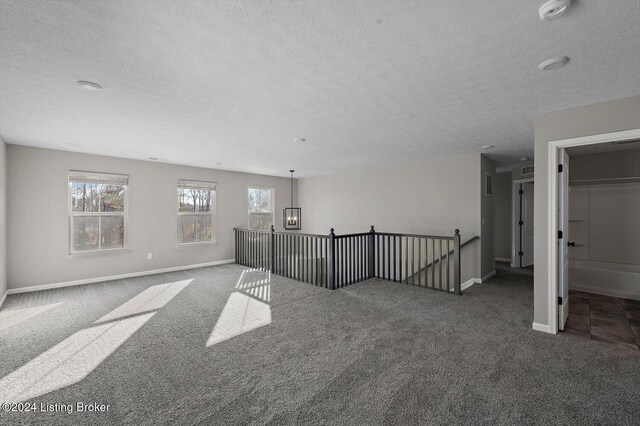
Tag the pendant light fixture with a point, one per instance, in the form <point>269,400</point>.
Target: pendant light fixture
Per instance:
<point>292,215</point>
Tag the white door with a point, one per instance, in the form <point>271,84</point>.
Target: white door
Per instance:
<point>527,224</point>
<point>563,246</point>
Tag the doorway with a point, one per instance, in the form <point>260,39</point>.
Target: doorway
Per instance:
<point>522,251</point>
<point>558,219</point>
<point>603,243</point>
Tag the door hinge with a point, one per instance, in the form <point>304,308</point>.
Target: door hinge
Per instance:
<point>559,235</point>
<point>559,168</point>
<point>521,192</point>
<point>520,253</point>
<point>520,223</point>
<point>559,300</point>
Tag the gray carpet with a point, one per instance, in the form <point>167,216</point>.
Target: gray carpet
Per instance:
<point>506,267</point>
<point>283,352</point>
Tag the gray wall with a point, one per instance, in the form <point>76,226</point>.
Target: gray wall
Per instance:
<point>605,117</point>
<point>605,165</point>
<point>503,188</point>
<point>3,218</point>
<point>38,214</point>
<point>487,204</point>
<point>428,197</point>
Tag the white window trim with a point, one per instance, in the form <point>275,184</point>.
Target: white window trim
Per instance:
<point>273,205</point>
<point>71,215</point>
<point>199,184</point>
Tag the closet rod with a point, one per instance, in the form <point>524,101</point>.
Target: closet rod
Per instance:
<point>606,179</point>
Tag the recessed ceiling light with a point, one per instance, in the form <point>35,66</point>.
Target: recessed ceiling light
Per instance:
<point>554,63</point>
<point>553,9</point>
<point>524,158</point>
<point>299,140</point>
<point>488,146</point>
<point>89,85</point>
<point>218,164</point>
<point>153,158</point>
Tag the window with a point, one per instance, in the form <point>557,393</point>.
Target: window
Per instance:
<point>260,201</point>
<point>196,210</point>
<point>97,212</point>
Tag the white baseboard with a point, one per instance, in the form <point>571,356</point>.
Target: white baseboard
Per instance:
<point>489,275</point>
<point>465,285</point>
<point>114,277</point>
<point>503,259</point>
<point>4,296</point>
<point>542,327</point>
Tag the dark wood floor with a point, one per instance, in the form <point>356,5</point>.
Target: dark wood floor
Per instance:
<point>604,318</point>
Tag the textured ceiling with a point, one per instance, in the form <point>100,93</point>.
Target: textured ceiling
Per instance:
<point>364,82</point>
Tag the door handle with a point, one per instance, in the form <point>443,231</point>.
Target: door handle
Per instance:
<point>571,243</point>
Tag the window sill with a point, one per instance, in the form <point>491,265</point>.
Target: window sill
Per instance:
<point>103,253</point>
<point>196,245</point>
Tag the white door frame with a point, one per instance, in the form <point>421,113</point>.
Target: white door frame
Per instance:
<point>552,211</point>
<point>514,219</point>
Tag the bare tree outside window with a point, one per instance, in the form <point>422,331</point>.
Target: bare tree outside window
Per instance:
<point>260,204</point>
<point>196,210</point>
<point>97,212</point>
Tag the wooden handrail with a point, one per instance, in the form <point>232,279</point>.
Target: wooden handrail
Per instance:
<point>433,237</point>
<point>358,234</point>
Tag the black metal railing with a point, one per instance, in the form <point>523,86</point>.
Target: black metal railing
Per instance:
<point>335,261</point>
<point>302,257</point>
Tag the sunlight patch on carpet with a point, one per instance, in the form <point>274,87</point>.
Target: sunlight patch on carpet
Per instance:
<point>16,316</point>
<point>245,310</point>
<point>240,315</point>
<point>74,358</point>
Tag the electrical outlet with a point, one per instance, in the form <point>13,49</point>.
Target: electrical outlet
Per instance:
<point>149,256</point>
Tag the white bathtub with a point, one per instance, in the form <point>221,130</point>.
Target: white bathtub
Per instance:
<point>610,279</point>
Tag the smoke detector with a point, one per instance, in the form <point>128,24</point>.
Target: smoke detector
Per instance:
<point>553,9</point>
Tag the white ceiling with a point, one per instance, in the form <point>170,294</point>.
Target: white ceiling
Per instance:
<point>365,82</point>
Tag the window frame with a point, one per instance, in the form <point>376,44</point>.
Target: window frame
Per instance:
<point>273,206</point>
<point>213,187</point>
<point>72,215</point>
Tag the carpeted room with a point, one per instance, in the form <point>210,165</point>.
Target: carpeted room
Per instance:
<point>304,212</point>
<point>375,352</point>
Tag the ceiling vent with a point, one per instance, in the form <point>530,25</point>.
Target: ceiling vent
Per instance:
<point>553,9</point>
<point>526,170</point>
